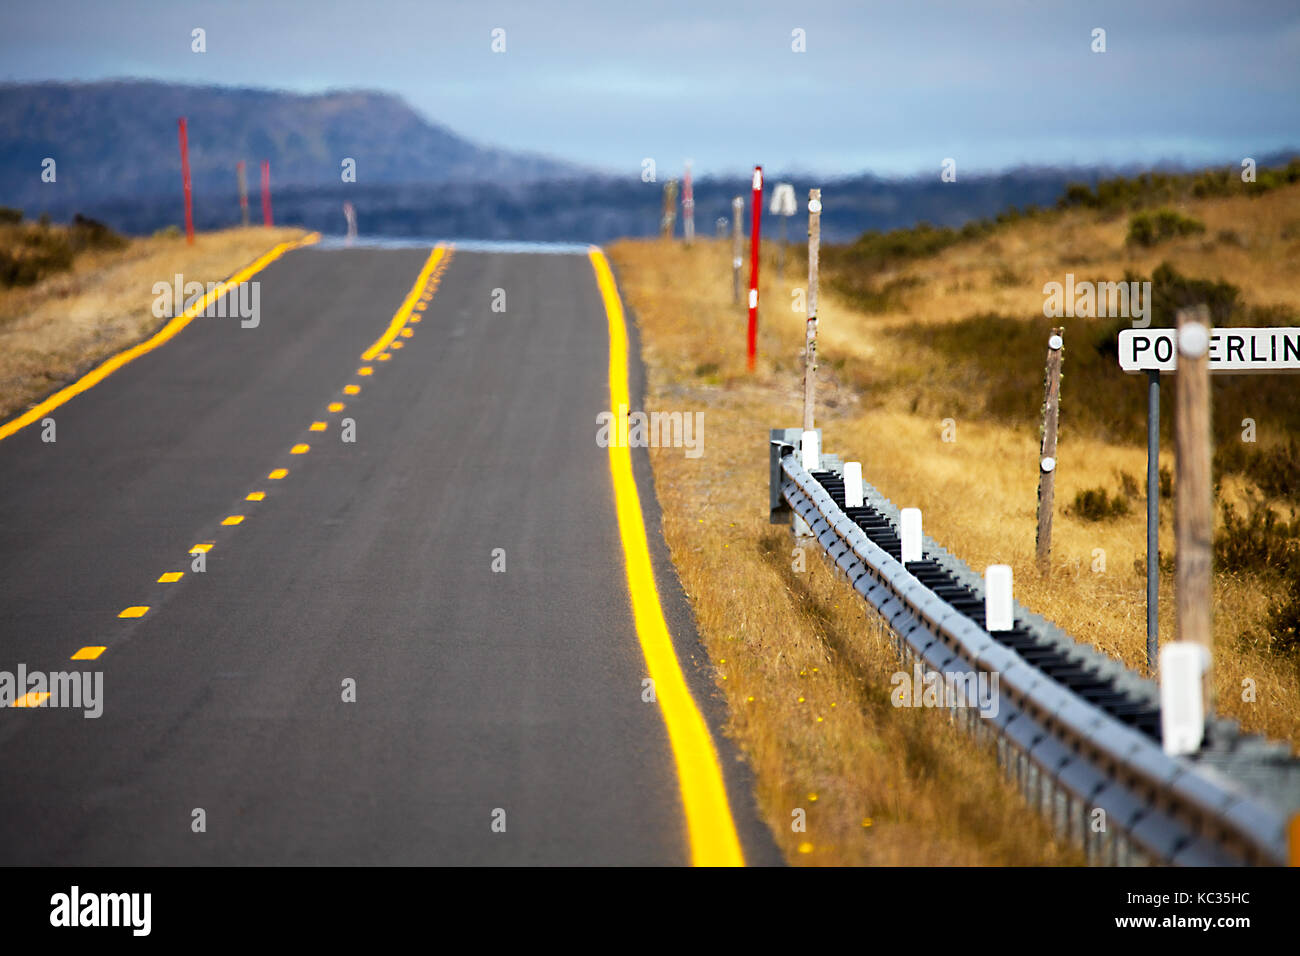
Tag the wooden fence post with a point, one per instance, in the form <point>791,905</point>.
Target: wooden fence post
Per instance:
<point>1047,452</point>
<point>1193,507</point>
<point>810,336</point>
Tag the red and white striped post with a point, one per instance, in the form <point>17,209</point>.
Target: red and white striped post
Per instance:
<point>757,206</point>
<point>185,181</point>
<point>266,193</point>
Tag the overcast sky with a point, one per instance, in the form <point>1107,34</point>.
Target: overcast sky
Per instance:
<point>889,87</point>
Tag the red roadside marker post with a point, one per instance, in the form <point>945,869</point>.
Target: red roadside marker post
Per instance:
<point>266,193</point>
<point>757,206</point>
<point>185,180</point>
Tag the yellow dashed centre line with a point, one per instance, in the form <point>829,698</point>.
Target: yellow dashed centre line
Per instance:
<point>712,831</point>
<point>425,284</point>
<point>32,699</point>
<point>407,333</point>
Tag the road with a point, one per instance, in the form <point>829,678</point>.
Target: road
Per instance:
<point>416,647</point>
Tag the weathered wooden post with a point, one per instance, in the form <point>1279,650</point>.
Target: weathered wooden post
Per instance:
<point>1047,453</point>
<point>810,335</point>
<point>1193,508</point>
<point>670,209</point>
<point>688,207</point>
<point>243,193</point>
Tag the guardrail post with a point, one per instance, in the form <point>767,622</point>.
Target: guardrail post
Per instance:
<point>999,607</point>
<point>1192,503</point>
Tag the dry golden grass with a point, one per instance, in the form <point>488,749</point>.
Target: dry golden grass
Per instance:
<point>68,322</point>
<point>776,635</point>
<point>804,666</point>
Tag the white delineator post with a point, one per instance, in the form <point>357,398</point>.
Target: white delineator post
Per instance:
<point>999,606</point>
<point>1182,713</point>
<point>853,484</point>
<point>909,526</point>
<point>810,335</point>
<point>811,454</point>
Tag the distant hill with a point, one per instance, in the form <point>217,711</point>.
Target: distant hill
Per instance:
<point>115,145</point>
<point>118,139</point>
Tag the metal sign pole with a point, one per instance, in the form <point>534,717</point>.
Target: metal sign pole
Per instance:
<point>1153,518</point>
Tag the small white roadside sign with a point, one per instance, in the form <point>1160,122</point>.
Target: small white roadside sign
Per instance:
<point>1231,350</point>
<point>783,202</point>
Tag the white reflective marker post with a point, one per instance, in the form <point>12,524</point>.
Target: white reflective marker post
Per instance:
<point>909,525</point>
<point>999,606</point>
<point>853,484</point>
<point>1182,712</point>
<point>812,459</point>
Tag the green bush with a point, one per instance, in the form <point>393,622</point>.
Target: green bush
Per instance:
<point>1096,504</point>
<point>30,252</point>
<point>1152,228</point>
<point>1259,541</point>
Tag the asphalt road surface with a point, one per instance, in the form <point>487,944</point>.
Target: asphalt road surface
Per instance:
<point>485,700</point>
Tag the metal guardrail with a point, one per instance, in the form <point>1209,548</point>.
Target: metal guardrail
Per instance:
<point>1230,804</point>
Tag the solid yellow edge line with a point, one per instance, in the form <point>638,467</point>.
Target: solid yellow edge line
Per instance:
<point>704,794</point>
<point>168,331</point>
<point>412,297</point>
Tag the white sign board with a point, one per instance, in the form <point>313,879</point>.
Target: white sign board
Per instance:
<point>783,203</point>
<point>1231,350</point>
